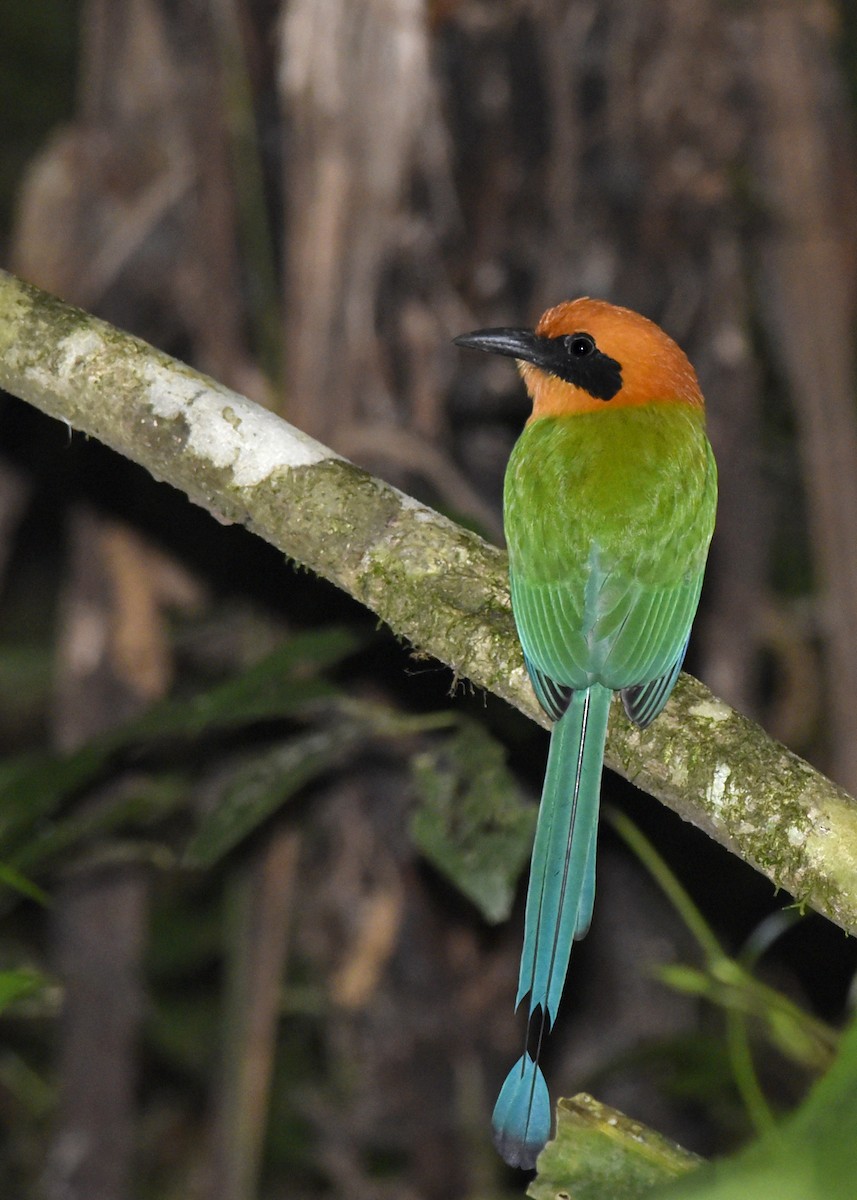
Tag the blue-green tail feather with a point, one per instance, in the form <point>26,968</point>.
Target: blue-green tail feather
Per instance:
<point>522,1115</point>
<point>562,875</point>
<point>559,907</point>
<point>586,903</point>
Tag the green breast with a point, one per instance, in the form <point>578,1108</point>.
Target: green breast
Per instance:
<point>608,517</point>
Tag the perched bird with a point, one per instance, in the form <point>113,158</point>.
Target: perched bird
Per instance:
<point>609,505</point>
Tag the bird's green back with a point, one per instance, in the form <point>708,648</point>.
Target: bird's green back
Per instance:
<point>608,517</point>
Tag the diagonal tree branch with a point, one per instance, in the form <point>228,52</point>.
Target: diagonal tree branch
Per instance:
<point>432,582</point>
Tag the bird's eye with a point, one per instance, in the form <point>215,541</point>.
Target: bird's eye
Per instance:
<point>579,344</point>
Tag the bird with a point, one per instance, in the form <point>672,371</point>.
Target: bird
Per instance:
<point>609,503</point>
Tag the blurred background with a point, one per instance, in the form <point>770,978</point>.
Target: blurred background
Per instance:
<point>241,952</point>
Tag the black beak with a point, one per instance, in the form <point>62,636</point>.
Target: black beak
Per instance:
<point>574,358</point>
<point>522,344</point>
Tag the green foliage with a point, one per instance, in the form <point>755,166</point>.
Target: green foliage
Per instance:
<point>256,785</point>
<point>19,883</point>
<point>811,1156</point>
<point>22,983</point>
<point>36,84</point>
<point>36,787</point>
<point>788,1028</point>
<point>729,984</point>
<point>599,1154</point>
<point>281,685</point>
<point>473,823</point>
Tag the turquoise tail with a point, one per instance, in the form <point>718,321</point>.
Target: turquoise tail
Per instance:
<point>522,1115</point>
<point>559,908</point>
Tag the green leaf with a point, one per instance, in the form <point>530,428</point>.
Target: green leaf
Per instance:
<point>278,686</point>
<point>726,981</point>
<point>810,1156</point>
<point>473,824</point>
<point>34,785</point>
<point>599,1153</point>
<point>20,984</point>
<point>20,883</point>
<point>137,802</point>
<point>256,788</point>
<point>283,684</point>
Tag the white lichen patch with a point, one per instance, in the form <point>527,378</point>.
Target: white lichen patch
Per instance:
<point>410,504</point>
<point>82,344</point>
<point>711,710</point>
<point>427,516</point>
<point>716,790</point>
<point>417,511</point>
<point>228,430</point>
<point>518,678</point>
<point>795,835</point>
<point>679,773</point>
<point>77,347</point>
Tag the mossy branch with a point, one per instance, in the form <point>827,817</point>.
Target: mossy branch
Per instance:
<point>432,582</point>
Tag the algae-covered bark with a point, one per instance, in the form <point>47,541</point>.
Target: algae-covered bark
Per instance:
<point>432,582</point>
<point>597,1151</point>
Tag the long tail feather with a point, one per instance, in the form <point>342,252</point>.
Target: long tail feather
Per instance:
<point>562,884</point>
<point>560,897</point>
<point>586,903</point>
<point>522,1115</point>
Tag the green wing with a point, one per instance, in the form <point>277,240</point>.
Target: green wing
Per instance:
<point>622,643</point>
<point>644,702</point>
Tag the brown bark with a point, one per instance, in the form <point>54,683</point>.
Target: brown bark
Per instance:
<point>100,936</point>
<point>260,898</point>
<point>808,178</point>
<point>356,93</point>
<point>131,208</point>
<point>113,663</point>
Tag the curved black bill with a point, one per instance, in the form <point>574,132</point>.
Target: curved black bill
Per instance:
<point>585,366</point>
<point>516,343</point>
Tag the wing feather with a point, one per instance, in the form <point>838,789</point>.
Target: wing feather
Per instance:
<point>644,703</point>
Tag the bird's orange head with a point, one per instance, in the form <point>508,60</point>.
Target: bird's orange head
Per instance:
<point>589,356</point>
